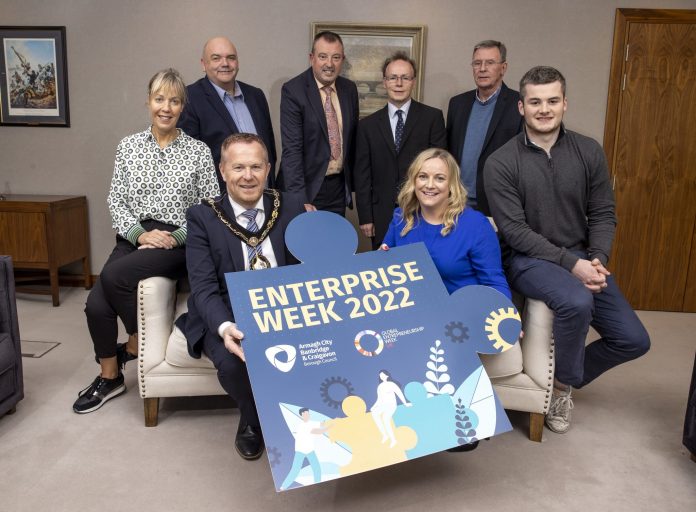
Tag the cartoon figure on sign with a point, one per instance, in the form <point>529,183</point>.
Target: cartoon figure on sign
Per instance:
<point>305,435</point>
<point>385,406</point>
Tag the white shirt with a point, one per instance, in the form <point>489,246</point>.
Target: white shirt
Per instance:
<point>266,246</point>
<point>304,438</point>
<point>393,118</point>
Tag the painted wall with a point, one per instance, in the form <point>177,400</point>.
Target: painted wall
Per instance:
<point>115,47</point>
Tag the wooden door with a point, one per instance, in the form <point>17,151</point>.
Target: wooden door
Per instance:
<point>650,140</point>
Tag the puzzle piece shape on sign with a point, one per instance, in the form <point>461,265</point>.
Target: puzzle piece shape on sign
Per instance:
<point>432,418</point>
<point>359,431</point>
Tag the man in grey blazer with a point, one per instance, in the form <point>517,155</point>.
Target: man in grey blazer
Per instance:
<point>483,119</point>
<point>387,143</point>
<point>318,118</point>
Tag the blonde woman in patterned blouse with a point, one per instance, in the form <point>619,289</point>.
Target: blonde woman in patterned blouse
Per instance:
<point>158,174</point>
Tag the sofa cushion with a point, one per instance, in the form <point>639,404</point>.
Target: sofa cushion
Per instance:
<point>505,364</point>
<point>177,353</point>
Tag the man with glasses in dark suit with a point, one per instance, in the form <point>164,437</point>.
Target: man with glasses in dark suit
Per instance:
<point>387,143</point>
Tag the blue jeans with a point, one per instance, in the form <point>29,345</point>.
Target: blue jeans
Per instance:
<point>575,308</point>
<point>297,466</point>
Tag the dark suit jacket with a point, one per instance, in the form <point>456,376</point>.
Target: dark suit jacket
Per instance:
<point>206,118</point>
<point>379,170</point>
<point>505,124</point>
<point>305,136</point>
<point>211,251</point>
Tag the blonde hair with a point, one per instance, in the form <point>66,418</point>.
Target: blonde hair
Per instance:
<point>167,79</point>
<point>456,201</point>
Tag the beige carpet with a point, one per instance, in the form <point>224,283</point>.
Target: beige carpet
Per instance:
<point>623,453</point>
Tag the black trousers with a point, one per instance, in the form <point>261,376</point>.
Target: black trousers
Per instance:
<point>233,377</point>
<point>332,195</point>
<point>115,293</point>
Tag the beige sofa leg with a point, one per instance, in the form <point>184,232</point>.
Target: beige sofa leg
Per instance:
<point>151,410</point>
<point>536,426</point>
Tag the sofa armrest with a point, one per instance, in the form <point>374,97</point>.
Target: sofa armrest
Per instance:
<point>11,379</point>
<point>537,343</point>
<point>156,305</point>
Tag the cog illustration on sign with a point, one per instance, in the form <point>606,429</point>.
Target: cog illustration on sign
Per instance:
<point>360,361</point>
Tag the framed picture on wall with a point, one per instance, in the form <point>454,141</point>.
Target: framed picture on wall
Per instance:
<point>33,77</point>
<point>366,46</point>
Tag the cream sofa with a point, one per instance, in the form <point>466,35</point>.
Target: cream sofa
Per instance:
<point>522,376</point>
<point>165,368</point>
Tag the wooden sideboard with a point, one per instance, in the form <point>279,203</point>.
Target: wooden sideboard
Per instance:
<point>45,232</point>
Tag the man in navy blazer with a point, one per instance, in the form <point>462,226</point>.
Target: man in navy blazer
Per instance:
<point>213,249</point>
<point>219,105</point>
<point>380,167</point>
<point>481,120</point>
<point>311,164</point>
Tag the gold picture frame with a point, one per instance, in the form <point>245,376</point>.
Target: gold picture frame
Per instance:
<point>366,46</point>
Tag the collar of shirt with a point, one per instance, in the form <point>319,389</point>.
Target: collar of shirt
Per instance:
<point>221,92</point>
<point>321,86</point>
<point>150,137</point>
<point>404,108</point>
<point>239,210</point>
<point>490,99</point>
<point>529,142</point>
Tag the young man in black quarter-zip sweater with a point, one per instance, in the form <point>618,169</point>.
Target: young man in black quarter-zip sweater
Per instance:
<point>550,196</point>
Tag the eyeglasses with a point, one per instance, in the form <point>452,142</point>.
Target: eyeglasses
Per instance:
<point>485,63</point>
<point>395,78</point>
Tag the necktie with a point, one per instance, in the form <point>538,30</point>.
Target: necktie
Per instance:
<point>250,216</point>
<point>399,132</point>
<point>332,125</point>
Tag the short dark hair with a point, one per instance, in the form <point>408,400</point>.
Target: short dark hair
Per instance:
<point>399,56</point>
<point>328,36</point>
<point>540,75</point>
<point>242,138</point>
<point>303,410</point>
<point>490,43</point>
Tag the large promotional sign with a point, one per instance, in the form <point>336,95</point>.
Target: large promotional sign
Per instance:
<point>362,361</point>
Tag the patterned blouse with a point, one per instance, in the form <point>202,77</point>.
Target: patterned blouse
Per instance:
<point>156,183</point>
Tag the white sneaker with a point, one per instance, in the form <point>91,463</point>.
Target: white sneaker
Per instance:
<point>558,417</point>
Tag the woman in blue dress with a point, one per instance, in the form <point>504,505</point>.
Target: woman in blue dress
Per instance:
<point>432,209</point>
<point>461,241</point>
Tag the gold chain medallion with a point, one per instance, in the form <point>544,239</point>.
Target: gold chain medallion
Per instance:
<point>259,261</point>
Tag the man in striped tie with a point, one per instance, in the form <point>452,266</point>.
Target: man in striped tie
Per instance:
<point>243,229</point>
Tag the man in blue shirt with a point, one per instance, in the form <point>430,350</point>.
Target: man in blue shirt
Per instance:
<point>481,120</point>
<point>219,105</point>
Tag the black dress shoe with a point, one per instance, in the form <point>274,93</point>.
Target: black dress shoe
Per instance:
<point>249,442</point>
<point>464,447</point>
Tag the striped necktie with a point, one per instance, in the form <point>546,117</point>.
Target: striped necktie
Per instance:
<point>250,216</point>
